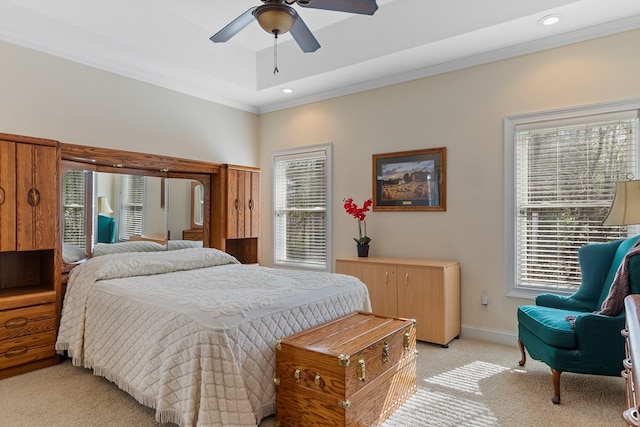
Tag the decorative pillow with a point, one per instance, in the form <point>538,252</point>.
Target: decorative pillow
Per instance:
<point>72,253</point>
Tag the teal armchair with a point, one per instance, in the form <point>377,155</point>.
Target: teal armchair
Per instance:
<point>566,333</point>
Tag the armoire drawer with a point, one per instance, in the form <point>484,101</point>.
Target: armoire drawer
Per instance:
<point>27,321</point>
<point>27,349</point>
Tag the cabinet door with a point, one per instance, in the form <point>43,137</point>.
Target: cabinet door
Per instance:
<point>420,297</point>
<point>235,182</point>
<point>381,281</point>
<point>36,197</point>
<point>7,196</point>
<point>252,224</point>
<point>243,204</point>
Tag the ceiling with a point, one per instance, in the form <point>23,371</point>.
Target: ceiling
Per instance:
<point>166,42</point>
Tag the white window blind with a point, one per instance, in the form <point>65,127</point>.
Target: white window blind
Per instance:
<point>565,175</point>
<point>301,204</point>
<point>73,203</point>
<point>131,218</point>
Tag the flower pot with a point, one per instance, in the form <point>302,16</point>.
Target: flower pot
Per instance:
<point>363,251</point>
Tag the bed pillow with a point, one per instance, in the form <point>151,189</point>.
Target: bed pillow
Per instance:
<point>135,246</point>
<point>183,244</point>
<point>72,253</point>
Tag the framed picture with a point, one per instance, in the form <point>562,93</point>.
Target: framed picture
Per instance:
<point>410,180</point>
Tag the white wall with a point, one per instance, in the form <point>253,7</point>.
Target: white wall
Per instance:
<point>48,97</point>
<point>463,111</point>
<point>53,98</point>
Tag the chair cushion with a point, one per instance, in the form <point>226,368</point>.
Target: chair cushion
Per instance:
<point>549,325</point>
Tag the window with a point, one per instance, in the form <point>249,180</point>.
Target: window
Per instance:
<point>301,206</point>
<point>73,203</point>
<point>561,169</point>
<point>131,206</point>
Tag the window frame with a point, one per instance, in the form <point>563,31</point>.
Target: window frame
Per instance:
<point>510,173</point>
<point>301,151</point>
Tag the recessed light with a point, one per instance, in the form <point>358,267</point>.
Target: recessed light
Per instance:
<point>287,90</point>
<point>549,20</point>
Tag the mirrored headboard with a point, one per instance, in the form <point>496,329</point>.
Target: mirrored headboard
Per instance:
<point>118,201</point>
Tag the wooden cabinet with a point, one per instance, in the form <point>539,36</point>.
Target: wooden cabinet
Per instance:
<point>29,278</point>
<point>427,291</point>
<point>236,207</point>
<point>193,234</point>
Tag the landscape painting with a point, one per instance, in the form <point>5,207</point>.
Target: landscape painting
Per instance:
<point>410,180</point>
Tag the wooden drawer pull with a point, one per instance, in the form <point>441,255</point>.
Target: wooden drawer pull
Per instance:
<point>16,322</point>
<point>2,196</point>
<point>16,351</point>
<point>33,197</point>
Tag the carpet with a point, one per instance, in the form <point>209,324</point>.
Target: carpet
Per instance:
<point>471,383</point>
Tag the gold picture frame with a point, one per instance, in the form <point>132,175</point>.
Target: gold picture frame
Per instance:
<point>410,180</point>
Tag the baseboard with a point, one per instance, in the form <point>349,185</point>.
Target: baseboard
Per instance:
<point>489,335</point>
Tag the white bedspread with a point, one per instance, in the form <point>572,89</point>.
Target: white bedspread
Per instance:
<point>191,333</point>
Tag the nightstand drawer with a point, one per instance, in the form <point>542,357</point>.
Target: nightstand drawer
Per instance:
<point>26,321</point>
<point>27,349</point>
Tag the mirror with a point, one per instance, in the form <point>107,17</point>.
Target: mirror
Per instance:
<point>197,204</point>
<point>132,212</point>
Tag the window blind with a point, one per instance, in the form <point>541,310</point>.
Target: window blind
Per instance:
<point>131,218</point>
<point>565,181</point>
<point>300,216</point>
<point>73,203</point>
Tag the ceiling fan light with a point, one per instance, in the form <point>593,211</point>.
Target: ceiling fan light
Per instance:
<point>275,18</point>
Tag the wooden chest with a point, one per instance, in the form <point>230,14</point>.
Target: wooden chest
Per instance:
<point>352,371</point>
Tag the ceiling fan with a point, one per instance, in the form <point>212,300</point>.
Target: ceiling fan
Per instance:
<point>278,17</point>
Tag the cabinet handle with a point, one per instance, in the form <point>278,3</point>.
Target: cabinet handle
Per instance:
<point>16,322</point>
<point>360,370</point>
<point>386,277</point>
<point>16,351</point>
<point>237,204</point>
<point>33,197</point>
<point>406,279</point>
<point>1,195</point>
<point>251,204</point>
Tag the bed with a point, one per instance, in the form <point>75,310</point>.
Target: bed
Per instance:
<point>192,332</point>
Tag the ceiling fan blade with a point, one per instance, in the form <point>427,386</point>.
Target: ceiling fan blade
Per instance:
<point>364,7</point>
<point>234,27</point>
<point>303,36</point>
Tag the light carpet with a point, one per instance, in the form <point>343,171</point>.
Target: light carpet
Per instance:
<point>471,383</point>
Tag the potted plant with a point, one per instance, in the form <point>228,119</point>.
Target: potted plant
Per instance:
<point>362,241</point>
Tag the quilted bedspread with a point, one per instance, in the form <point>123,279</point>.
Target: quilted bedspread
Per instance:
<point>191,332</point>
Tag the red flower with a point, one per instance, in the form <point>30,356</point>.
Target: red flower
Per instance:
<point>359,214</point>
<point>353,210</point>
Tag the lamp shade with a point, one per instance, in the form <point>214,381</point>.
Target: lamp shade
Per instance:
<point>275,18</point>
<point>625,208</point>
<point>103,205</point>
